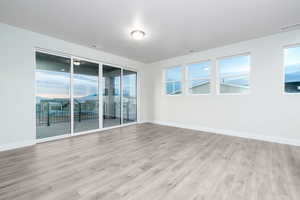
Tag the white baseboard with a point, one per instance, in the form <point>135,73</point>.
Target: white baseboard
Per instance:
<point>5,147</point>
<point>280,140</point>
<point>16,145</point>
<point>144,121</point>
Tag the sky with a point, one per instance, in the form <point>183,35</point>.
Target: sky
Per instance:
<point>235,70</point>
<point>292,56</point>
<point>85,85</point>
<point>231,66</point>
<point>51,84</point>
<point>231,69</point>
<point>199,70</point>
<point>234,65</point>
<point>292,64</point>
<point>173,74</point>
<point>54,84</point>
<point>227,66</point>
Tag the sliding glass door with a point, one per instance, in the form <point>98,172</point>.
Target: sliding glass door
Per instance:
<point>111,96</point>
<point>53,110</point>
<point>85,95</point>
<point>75,95</point>
<point>129,96</point>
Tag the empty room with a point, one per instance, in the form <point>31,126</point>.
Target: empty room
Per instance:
<point>150,100</point>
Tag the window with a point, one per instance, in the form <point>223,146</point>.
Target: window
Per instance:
<point>129,96</point>
<point>292,69</point>
<point>112,97</point>
<point>173,78</point>
<point>68,100</point>
<point>234,74</point>
<point>53,97</point>
<point>85,95</point>
<point>199,78</point>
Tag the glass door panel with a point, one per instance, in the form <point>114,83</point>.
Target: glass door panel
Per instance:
<point>52,95</point>
<point>129,96</point>
<point>111,96</point>
<point>85,95</point>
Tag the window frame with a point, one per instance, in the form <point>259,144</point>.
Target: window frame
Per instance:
<point>218,88</point>
<point>186,80</point>
<point>101,63</point>
<point>283,68</point>
<point>182,69</point>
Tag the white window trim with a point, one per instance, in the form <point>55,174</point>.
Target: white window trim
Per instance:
<point>187,78</point>
<point>218,74</point>
<point>181,81</point>
<point>283,68</point>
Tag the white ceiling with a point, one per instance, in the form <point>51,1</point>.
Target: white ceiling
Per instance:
<point>173,27</point>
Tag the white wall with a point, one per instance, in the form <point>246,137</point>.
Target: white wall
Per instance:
<point>265,114</point>
<point>17,82</point>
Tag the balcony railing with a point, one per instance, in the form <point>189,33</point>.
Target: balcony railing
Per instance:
<point>53,112</point>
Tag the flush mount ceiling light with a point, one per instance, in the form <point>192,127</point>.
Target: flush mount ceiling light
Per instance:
<point>137,34</point>
<point>76,63</point>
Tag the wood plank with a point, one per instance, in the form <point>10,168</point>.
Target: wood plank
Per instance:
<point>151,162</point>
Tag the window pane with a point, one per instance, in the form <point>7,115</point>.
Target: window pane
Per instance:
<point>129,96</point>
<point>111,96</point>
<point>292,69</point>
<point>173,74</point>
<point>199,70</point>
<point>173,88</point>
<point>52,95</point>
<point>199,86</point>
<point>86,95</point>
<point>234,74</point>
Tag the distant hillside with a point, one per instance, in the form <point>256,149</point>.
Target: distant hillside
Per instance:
<point>81,99</point>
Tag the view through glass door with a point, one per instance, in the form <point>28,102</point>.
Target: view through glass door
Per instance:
<point>53,98</point>
<point>85,95</point>
<point>129,96</point>
<point>68,100</point>
<point>111,96</point>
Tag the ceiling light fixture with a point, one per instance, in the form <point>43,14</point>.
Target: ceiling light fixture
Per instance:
<point>137,34</point>
<point>76,63</point>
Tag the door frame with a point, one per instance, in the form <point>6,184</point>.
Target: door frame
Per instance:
<point>100,90</point>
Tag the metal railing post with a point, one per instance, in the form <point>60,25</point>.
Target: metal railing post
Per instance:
<point>127,110</point>
<point>48,114</point>
<point>79,117</point>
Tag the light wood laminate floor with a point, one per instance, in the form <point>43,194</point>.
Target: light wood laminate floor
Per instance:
<point>151,162</point>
